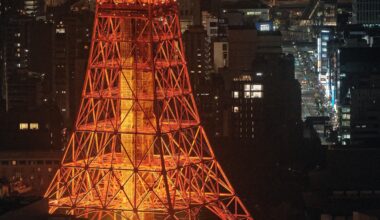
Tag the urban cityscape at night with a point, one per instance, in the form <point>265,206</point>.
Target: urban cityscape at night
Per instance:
<point>190,109</point>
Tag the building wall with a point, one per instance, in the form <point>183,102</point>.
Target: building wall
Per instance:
<point>54,3</point>
<point>190,13</point>
<point>365,112</point>
<point>358,95</point>
<point>220,54</point>
<point>266,102</point>
<point>242,48</point>
<point>35,169</point>
<point>71,44</point>
<point>195,49</point>
<point>366,12</point>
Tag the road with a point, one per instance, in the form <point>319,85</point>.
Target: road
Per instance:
<point>312,94</point>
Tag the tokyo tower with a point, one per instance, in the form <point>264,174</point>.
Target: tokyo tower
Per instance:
<point>138,151</point>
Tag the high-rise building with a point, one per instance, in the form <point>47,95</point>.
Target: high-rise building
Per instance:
<point>54,3</point>
<point>29,171</point>
<point>195,48</point>
<point>329,12</point>
<point>62,51</point>
<point>220,54</point>
<point>366,12</point>
<point>207,87</point>
<point>45,61</point>
<point>34,7</point>
<point>322,13</point>
<point>71,39</point>
<point>247,93</point>
<point>358,96</point>
<point>324,77</point>
<point>242,47</point>
<point>19,84</point>
<point>245,42</point>
<point>245,13</point>
<point>266,101</point>
<point>190,12</point>
<point>211,24</point>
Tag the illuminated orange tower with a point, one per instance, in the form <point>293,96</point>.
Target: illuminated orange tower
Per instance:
<point>138,150</point>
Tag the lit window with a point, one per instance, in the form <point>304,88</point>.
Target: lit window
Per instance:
<point>259,74</point>
<point>34,126</point>
<point>14,163</point>
<point>236,109</point>
<point>235,94</point>
<point>63,109</point>
<point>346,116</point>
<point>253,12</point>
<point>23,126</point>
<point>257,87</point>
<point>60,30</point>
<point>346,123</point>
<point>247,95</point>
<point>264,27</point>
<point>345,110</point>
<point>347,136</point>
<point>247,87</point>
<point>256,94</point>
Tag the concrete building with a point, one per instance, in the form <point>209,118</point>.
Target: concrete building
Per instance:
<point>244,43</point>
<point>269,42</point>
<point>245,13</point>
<point>357,96</point>
<point>190,13</point>
<point>329,9</point>
<point>195,42</point>
<point>213,25</point>
<point>18,85</point>
<point>366,12</point>
<point>261,99</point>
<point>242,48</point>
<point>54,3</point>
<point>325,35</point>
<point>220,55</point>
<point>347,188</point>
<point>34,7</point>
<point>33,129</point>
<point>71,37</point>
<point>33,169</point>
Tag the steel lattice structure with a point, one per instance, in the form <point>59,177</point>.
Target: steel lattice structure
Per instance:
<point>138,150</point>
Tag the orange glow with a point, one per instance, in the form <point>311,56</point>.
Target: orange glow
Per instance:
<point>138,150</point>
